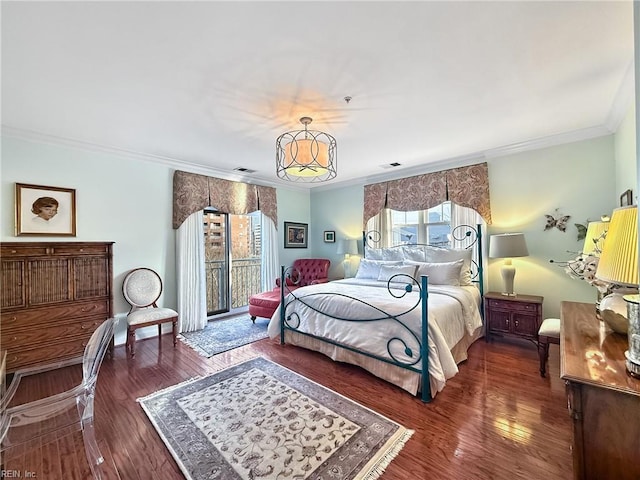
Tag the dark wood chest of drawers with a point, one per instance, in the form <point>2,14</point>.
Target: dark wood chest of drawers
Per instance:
<point>53,296</point>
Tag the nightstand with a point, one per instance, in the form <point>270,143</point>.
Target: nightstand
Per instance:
<point>519,316</point>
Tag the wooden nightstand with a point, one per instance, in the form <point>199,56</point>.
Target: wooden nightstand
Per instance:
<point>519,316</point>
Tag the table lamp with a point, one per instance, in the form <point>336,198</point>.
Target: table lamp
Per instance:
<point>618,266</point>
<point>594,238</point>
<point>508,246</point>
<point>347,247</point>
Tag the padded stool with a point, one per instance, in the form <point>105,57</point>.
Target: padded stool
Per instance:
<point>549,333</point>
<point>264,304</point>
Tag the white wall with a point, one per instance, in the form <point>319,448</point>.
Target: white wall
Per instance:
<point>625,153</point>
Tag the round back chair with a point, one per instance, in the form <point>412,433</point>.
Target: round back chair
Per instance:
<point>142,288</point>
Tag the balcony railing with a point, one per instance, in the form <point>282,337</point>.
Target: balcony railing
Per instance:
<point>245,281</point>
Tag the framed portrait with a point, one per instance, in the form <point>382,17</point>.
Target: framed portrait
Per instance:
<point>329,236</point>
<point>295,235</point>
<point>626,199</point>
<point>45,211</point>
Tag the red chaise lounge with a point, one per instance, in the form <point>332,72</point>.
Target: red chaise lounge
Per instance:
<point>308,270</point>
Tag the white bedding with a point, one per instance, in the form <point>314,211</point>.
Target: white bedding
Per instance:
<point>453,313</point>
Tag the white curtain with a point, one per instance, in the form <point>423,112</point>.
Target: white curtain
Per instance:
<point>467,216</point>
<point>380,224</point>
<point>192,295</point>
<point>270,254</point>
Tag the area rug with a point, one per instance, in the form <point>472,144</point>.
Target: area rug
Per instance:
<point>222,335</point>
<point>259,420</point>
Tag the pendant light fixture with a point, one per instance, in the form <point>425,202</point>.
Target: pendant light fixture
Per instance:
<point>306,155</point>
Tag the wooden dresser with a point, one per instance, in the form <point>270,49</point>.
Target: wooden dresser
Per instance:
<point>604,400</point>
<point>53,296</point>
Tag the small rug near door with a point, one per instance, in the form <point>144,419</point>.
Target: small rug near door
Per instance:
<point>222,335</point>
<point>260,420</point>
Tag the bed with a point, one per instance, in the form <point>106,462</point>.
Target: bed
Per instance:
<point>410,309</point>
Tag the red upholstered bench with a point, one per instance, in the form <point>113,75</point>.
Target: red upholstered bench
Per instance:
<point>306,271</point>
<point>264,304</point>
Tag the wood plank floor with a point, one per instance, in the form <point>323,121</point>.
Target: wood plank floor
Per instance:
<point>497,419</point>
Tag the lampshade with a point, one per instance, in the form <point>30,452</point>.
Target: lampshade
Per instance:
<point>619,258</point>
<point>594,238</point>
<point>508,245</point>
<point>306,155</point>
<point>347,246</point>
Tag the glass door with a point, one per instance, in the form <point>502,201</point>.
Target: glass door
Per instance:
<point>232,260</point>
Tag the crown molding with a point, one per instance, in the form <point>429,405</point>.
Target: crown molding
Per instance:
<point>480,156</point>
<point>178,164</point>
<point>623,99</point>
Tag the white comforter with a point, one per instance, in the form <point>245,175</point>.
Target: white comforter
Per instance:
<point>451,311</point>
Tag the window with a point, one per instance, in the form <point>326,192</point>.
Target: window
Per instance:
<point>431,226</point>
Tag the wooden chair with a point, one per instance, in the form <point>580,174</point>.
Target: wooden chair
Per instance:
<point>31,425</point>
<point>141,288</point>
<point>549,332</point>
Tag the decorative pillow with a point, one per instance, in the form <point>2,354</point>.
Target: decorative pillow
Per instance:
<point>373,253</point>
<point>445,273</point>
<point>370,269</point>
<point>392,254</point>
<point>441,255</point>
<point>414,253</point>
<point>388,271</point>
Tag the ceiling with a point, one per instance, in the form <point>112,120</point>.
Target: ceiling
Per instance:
<point>208,86</point>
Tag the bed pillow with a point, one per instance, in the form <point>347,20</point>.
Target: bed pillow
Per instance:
<point>370,269</point>
<point>391,254</point>
<point>445,273</point>
<point>388,271</point>
<point>441,255</point>
<point>414,253</point>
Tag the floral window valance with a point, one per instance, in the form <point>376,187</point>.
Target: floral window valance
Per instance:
<point>193,192</point>
<point>465,186</point>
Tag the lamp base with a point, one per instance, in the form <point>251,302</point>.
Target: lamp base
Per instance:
<point>508,272</point>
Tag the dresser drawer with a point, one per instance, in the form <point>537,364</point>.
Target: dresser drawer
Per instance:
<point>18,338</point>
<point>45,355</point>
<point>514,306</point>
<point>36,317</point>
<point>44,249</point>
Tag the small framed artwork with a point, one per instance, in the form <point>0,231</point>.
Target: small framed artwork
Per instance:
<point>329,236</point>
<point>45,211</point>
<point>626,199</point>
<point>295,235</point>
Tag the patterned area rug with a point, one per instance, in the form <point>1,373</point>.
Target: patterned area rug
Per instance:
<point>222,335</point>
<point>259,420</point>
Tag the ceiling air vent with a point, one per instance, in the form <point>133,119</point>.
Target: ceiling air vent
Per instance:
<point>390,165</point>
<point>244,170</point>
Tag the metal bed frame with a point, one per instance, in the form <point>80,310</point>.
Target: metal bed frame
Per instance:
<point>419,354</point>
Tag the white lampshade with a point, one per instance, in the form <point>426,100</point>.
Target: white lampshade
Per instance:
<point>347,246</point>
<point>508,246</point>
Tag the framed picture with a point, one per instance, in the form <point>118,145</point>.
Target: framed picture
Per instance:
<point>295,235</point>
<point>329,236</point>
<point>626,199</point>
<point>45,211</point>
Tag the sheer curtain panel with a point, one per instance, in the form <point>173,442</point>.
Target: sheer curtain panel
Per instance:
<point>192,297</point>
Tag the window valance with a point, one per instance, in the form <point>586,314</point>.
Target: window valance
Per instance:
<point>193,192</point>
<point>466,186</point>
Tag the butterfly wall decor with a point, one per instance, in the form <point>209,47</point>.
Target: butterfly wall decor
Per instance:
<point>582,230</point>
<point>559,221</point>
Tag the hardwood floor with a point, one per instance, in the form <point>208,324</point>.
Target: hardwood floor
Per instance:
<point>496,419</point>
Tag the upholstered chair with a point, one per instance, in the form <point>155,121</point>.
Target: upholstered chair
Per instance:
<point>141,288</point>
